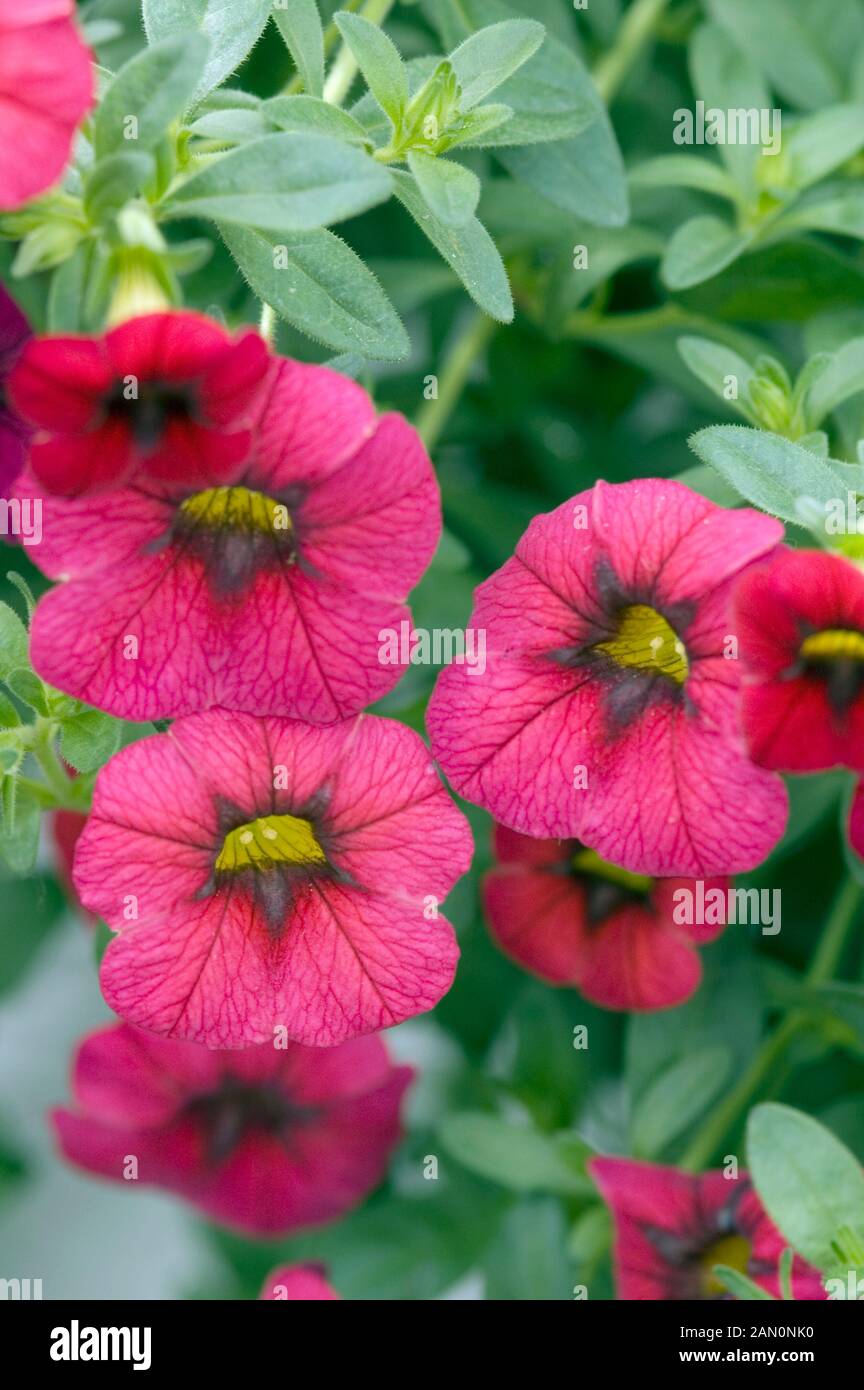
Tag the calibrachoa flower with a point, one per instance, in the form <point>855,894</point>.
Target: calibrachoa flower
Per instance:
<point>161,398</point>
<point>265,1140</point>
<point>800,618</point>
<point>14,332</point>
<point>672,1228</point>
<point>566,915</point>
<point>46,88</point>
<point>263,873</point>
<point>608,711</point>
<point>267,595</point>
<point>307,1282</point>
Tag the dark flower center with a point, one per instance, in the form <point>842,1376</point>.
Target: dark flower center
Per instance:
<point>235,531</point>
<point>835,656</point>
<point>691,1255</point>
<point>273,857</point>
<point>646,642</point>
<point>607,887</point>
<point>635,649</point>
<point>239,1109</point>
<point>151,408</point>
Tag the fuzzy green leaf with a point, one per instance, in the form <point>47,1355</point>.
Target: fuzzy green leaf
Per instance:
<point>284,183</point>
<point>320,285</point>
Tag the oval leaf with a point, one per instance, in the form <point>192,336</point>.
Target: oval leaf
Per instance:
<point>290,183</point>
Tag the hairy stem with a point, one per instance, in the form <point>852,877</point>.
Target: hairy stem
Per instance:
<point>344,69</point>
<point>636,29</point>
<point>467,347</point>
<point>57,788</point>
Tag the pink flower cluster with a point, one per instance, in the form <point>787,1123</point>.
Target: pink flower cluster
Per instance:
<point>230,532</point>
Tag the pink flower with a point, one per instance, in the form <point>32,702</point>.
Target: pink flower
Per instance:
<point>266,596</point>
<point>307,1282</point>
<point>265,1140</point>
<point>624,940</point>
<point>14,434</point>
<point>800,618</point>
<point>672,1228</point>
<point>607,712</point>
<point>46,88</point>
<point>263,874</point>
<point>163,398</point>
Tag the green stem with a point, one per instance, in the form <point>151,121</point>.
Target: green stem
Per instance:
<point>829,951</point>
<point>468,346</point>
<point>344,70</point>
<point>331,38</point>
<point>822,967</point>
<point>636,29</point>
<point>57,781</point>
<point>44,795</point>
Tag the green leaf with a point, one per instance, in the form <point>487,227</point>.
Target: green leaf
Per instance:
<point>552,98</point>
<point>284,183</point>
<point>27,686</point>
<point>607,251</point>
<point>771,472</point>
<point>714,364</point>
<point>683,171</point>
<point>515,1156</point>
<point>493,54</point>
<point>115,180</point>
<point>232,30</point>
<point>299,24</point>
<point>379,61</point>
<point>792,43</point>
<point>527,1260</point>
<point>842,378</point>
<point>31,909</point>
<point>700,249</point>
<point>677,1097</point>
<point>46,246</point>
<point>312,114</point>
<point>9,716</point>
<point>14,642</point>
<point>153,89</point>
<point>789,282</point>
<point>450,191</point>
<point>323,288</point>
<point>482,127</point>
<point>468,250</point>
<point>725,77</point>
<point>820,143</point>
<point>19,834</point>
<point>546,1072</point>
<point>742,1288</point>
<point>68,288</point>
<point>232,126</point>
<point>836,210</point>
<point>809,1183</point>
<point>584,175</point>
<point>90,739</point>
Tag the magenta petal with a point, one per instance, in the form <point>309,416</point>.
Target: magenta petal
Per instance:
<point>306,1282</point>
